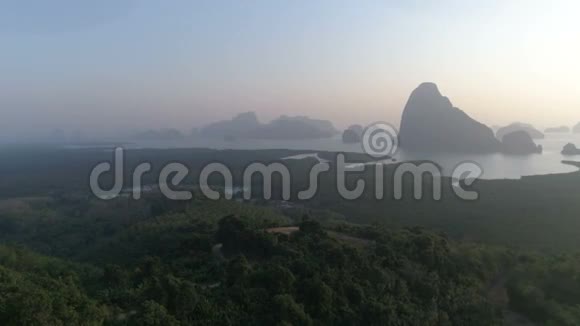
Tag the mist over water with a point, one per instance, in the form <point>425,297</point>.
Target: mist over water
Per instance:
<point>495,165</point>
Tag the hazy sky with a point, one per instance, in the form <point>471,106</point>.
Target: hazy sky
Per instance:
<point>110,64</point>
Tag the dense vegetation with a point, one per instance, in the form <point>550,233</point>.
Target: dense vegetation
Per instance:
<point>67,258</point>
<point>547,289</point>
<point>169,269</point>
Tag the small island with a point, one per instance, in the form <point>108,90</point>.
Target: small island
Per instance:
<point>520,143</point>
<point>516,126</point>
<point>352,134</point>
<point>570,149</point>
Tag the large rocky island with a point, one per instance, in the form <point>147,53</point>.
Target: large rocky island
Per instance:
<point>246,125</point>
<point>431,123</point>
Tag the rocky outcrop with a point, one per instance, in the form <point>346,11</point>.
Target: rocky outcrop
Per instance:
<point>570,149</point>
<point>561,129</point>
<point>517,126</point>
<point>246,125</point>
<point>352,134</point>
<point>520,143</point>
<point>431,123</point>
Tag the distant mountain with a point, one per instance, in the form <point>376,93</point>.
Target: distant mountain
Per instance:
<point>299,127</point>
<point>352,134</point>
<point>520,142</point>
<point>162,134</point>
<point>576,129</point>
<point>561,129</point>
<point>533,132</point>
<point>240,126</point>
<point>247,125</point>
<point>431,123</point>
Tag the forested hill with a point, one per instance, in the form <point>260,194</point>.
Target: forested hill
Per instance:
<point>217,263</point>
